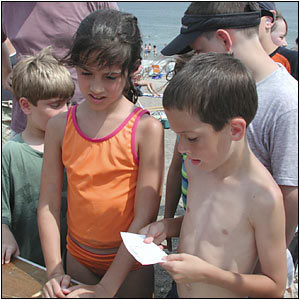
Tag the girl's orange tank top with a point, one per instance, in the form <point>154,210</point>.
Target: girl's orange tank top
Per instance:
<point>102,176</point>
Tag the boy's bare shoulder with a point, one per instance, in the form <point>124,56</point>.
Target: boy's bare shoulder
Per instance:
<point>264,192</point>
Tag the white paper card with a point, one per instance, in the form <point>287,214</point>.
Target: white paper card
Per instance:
<point>146,254</point>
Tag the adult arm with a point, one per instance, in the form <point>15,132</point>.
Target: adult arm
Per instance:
<point>49,207</point>
<point>290,198</point>
<point>149,137</point>
<point>6,68</point>
<point>284,154</point>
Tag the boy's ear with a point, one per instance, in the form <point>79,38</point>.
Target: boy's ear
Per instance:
<point>238,128</point>
<point>25,105</point>
<point>226,39</point>
<point>268,22</point>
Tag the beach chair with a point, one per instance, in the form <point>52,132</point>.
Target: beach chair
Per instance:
<point>155,73</point>
<point>156,69</point>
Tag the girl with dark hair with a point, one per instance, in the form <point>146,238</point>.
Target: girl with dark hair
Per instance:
<point>113,154</point>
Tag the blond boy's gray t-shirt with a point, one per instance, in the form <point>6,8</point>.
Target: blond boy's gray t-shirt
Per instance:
<point>273,134</point>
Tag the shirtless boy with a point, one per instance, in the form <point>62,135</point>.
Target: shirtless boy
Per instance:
<point>235,212</point>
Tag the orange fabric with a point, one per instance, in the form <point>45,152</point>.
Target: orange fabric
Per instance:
<point>97,263</point>
<point>102,176</point>
<point>277,57</point>
<point>156,68</point>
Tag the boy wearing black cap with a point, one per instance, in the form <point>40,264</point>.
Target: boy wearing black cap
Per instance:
<point>288,58</point>
<point>232,27</point>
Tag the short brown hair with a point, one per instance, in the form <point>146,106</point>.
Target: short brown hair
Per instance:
<point>42,77</point>
<point>214,86</point>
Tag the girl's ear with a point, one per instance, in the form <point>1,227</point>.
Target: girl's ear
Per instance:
<point>238,128</point>
<point>225,38</point>
<point>25,105</point>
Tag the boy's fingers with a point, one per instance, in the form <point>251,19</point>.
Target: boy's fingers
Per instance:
<point>7,256</point>
<point>65,282</point>
<point>144,230</point>
<point>3,255</point>
<point>174,257</point>
<point>148,240</point>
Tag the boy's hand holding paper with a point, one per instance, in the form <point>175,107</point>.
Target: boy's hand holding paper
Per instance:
<point>146,254</point>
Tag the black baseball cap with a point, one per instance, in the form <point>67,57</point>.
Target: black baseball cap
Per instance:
<point>269,5</point>
<point>194,25</point>
<point>267,8</point>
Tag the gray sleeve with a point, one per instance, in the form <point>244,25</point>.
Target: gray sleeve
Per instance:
<point>284,149</point>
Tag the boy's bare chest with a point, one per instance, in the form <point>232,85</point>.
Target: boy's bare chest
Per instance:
<point>216,225</point>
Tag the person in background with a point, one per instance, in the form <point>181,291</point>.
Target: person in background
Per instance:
<point>149,48</point>
<point>154,50</point>
<point>139,82</point>
<point>279,30</point>
<point>113,153</point>
<point>145,50</point>
<point>273,134</point>
<point>43,87</point>
<point>32,26</point>
<point>235,211</point>
<point>288,58</point>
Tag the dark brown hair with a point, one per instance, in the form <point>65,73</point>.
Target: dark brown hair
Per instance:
<point>115,38</point>
<point>216,87</point>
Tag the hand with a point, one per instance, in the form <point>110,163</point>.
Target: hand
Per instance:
<point>88,291</point>
<point>9,245</point>
<point>186,268</point>
<point>155,232</point>
<point>57,286</point>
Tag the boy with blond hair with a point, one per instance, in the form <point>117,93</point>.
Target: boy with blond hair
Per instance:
<point>43,87</point>
<point>235,213</point>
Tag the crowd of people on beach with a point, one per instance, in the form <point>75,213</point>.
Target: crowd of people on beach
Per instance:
<point>84,162</point>
<point>148,50</point>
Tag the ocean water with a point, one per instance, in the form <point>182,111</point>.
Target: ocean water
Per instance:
<point>160,22</point>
